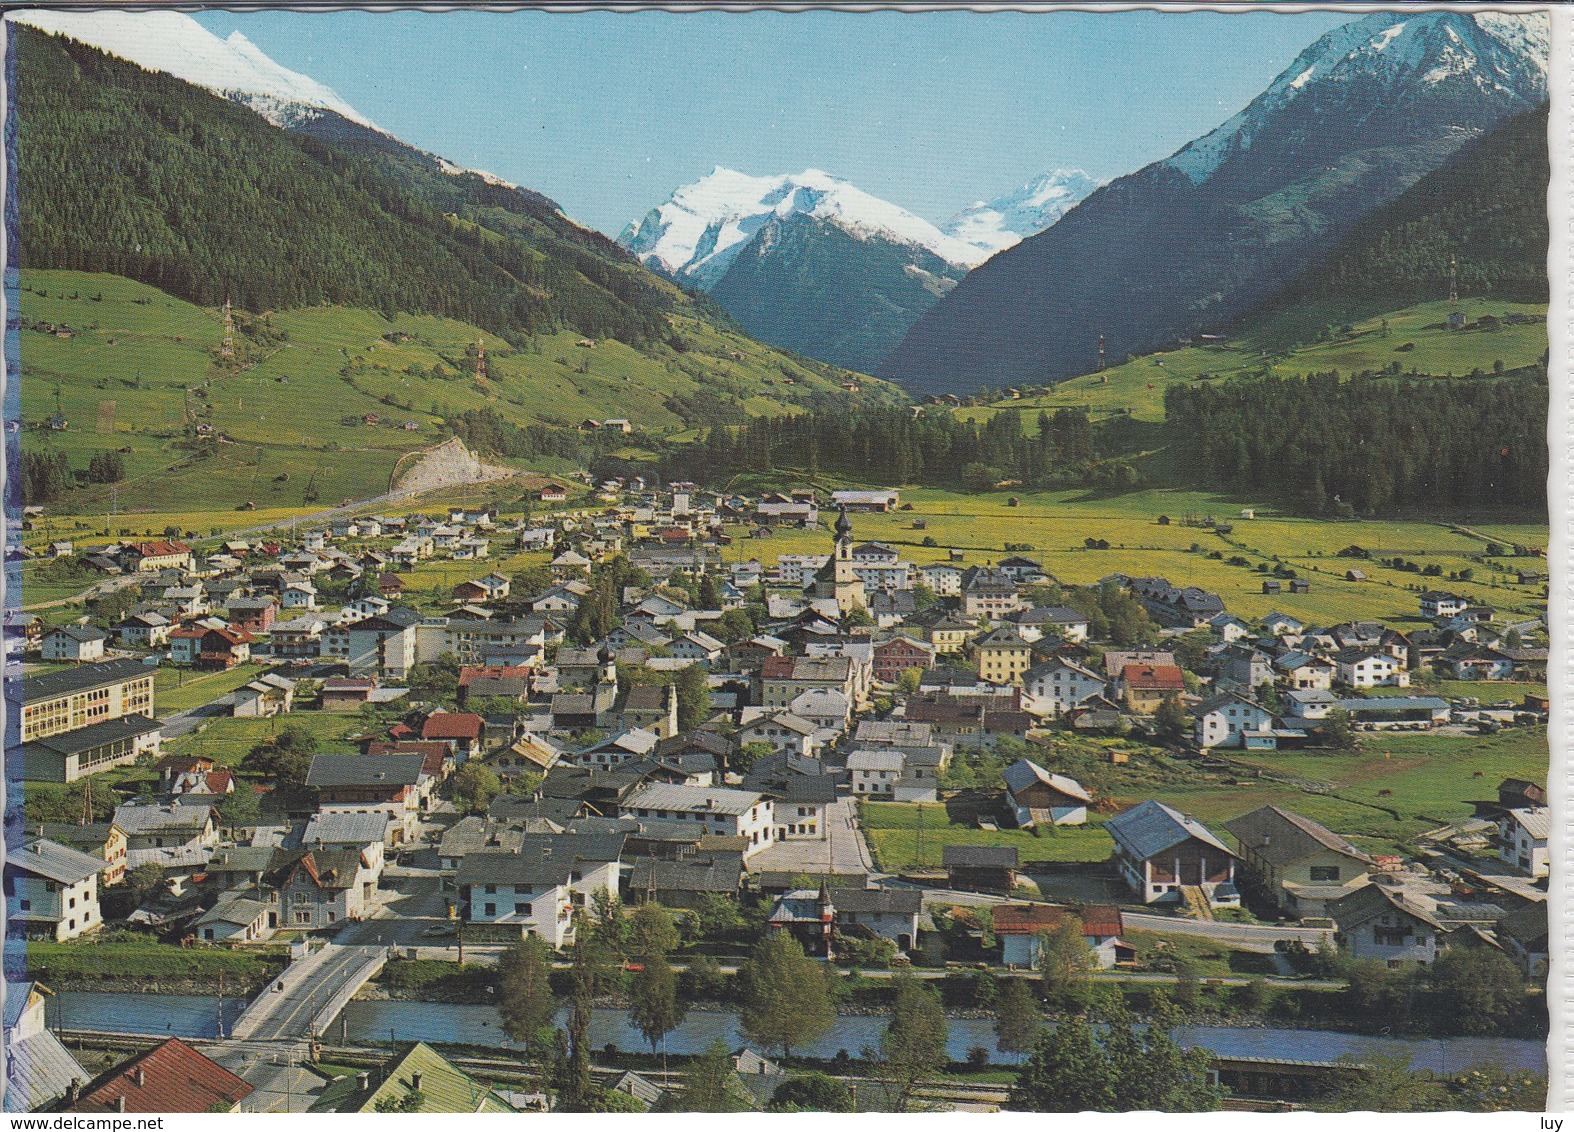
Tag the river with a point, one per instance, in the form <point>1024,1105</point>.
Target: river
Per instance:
<point>196,1016</point>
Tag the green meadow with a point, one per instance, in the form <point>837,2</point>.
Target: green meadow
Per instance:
<point>1057,525</point>
<point>1380,797</point>
<point>1138,384</point>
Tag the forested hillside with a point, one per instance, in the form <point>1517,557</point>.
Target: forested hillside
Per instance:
<point>1486,209</point>
<point>139,174</point>
<point>1370,444</point>
<point>932,447</point>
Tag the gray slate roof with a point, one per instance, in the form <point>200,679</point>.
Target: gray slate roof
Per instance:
<point>38,1070</point>
<point>53,861</point>
<point>1281,837</point>
<point>345,829</point>
<point>1154,827</point>
<point>365,770</point>
<point>85,678</point>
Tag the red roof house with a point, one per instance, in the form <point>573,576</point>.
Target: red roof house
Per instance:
<point>171,1077</point>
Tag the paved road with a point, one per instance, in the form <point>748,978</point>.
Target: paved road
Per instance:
<point>192,718</point>
<point>108,585</point>
<point>1247,937</point>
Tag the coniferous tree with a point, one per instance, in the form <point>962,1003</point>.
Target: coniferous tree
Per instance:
<point>524,992</point>
<point>914,1043</point>
<point>1017,1019</point>
<point>787,1000</point>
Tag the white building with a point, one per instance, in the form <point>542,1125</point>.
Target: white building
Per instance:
<point>539,886</point>
<point>1522,836</point>
<point>784,731</point>
<point>945,580</point>
<point>1055,687</point>
<point>1369,668</point>
<point>1223,720</point>
<point>52,891</point>
<point>875,773</point>
<point>715,810</point>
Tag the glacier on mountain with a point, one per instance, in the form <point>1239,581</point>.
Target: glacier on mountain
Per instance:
<point>234,68</point>
<point>698,232</point>
<point>995,225</point>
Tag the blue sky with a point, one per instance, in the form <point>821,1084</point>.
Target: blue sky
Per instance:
<point>607,113</point>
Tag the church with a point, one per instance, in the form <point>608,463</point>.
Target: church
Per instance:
<point>836,578</point>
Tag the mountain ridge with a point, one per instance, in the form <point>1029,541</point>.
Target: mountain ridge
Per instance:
<point>1188,243</point>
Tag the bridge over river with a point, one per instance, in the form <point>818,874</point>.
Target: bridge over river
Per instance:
<point>310,992</point>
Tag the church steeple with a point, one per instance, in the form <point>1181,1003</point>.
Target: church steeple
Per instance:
<point>837,578</point>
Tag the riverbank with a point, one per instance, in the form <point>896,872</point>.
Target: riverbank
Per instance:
<point>146,967</point>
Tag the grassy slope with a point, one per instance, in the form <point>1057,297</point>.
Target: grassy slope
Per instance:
<point>141,349</point>
<point>1139,384</point>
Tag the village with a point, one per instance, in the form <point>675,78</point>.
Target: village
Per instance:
<point>908,769</point>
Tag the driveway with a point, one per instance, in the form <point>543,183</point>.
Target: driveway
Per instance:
<point>842,851</point>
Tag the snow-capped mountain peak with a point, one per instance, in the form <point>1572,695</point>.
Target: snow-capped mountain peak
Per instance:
<point>1498,52</point>
<point>995,225</point>
<point>698,232</point>
<point>178,45</point>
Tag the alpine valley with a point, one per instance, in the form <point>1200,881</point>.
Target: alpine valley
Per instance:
<point>383,299</point>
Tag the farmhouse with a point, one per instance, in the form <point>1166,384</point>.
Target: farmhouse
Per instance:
<point>1038,797</point>
<point>1160,852</point>
<point>1375,922</point>
<point>1226,719</point>
<point>1301,865</point>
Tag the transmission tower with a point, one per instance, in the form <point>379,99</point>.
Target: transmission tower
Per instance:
<point>227,346</point>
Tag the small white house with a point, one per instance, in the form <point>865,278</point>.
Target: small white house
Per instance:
<point>1222,720</point>
<point>52,890</point>
<point>1055,687</point>
<point>875,773</point>
<point>1369,668</point>
<point>74,642</point>
<point>237,919</point>
<point>1522,837</point>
